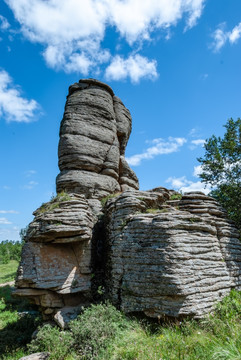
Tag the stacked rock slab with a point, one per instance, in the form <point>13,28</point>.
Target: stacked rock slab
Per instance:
<point>149,251</point>
<point>170,261</point>
<point>55,266</point>
<point>93,136</point>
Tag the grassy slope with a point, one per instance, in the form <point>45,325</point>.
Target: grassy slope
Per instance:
<point>8,271</point>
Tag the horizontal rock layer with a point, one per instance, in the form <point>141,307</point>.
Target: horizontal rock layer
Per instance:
<point>170,261</point>
<point>93,136</point>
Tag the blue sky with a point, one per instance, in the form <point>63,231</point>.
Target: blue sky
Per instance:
<point>176,64</point>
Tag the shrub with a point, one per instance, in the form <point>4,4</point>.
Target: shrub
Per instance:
<point>53,340</point>
<point>96,328</point>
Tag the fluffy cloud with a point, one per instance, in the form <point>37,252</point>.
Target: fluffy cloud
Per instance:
<point>221,37</point>
<point>185,185</point>
<point>4,24</point>
<point>8,212</point>
<point>73,32</point>
<point>135,67</point>
<point>159,147</point>
<point>13,106</point>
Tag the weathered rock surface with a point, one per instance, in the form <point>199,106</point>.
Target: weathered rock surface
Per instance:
<point>170,261</point>
<point>56,258</point>
<point>66,314</point>
<point>148,251</point>
<point>93,136</point>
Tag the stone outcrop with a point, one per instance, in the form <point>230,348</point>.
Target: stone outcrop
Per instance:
<point>93,136</point>
<point>147,251</point>
<point>170,261</point>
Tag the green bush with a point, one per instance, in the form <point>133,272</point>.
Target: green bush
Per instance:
<point>53,340</point>
<point>96,328</point>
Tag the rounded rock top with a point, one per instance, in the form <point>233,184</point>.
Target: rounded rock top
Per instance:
<point>86,83</point>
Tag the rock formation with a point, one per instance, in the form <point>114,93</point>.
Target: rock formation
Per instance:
<point>93,136</point>
<point>144,250</point>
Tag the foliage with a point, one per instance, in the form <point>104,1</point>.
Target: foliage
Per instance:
<point>10,250</point>
<point>54,202</point>
<point>176,196</point>
<point>221,167</point>
<point>8,271</point>
<point>53,340</point>
<point>16,325</point>
<point>106,198</point>
<point>96,328</point>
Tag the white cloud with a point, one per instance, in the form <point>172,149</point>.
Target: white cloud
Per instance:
<point>221,37</point>
<point>30,185</point>
<point>4,24</point>
<point>195,143</point>
<point>197,170</point>
<point>184,185</point>
<point>235,33</point>
<point>9,212</point>
<point>4,221</point>
<point>198,142</point>
<point>196,186</point>
<point>160,147</point>
<point>135,67</point>
<point>73,32</point>
<point>13,106</point>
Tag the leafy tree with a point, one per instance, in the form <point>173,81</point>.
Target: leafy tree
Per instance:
<point>221,167</point>
<point>10,250</point>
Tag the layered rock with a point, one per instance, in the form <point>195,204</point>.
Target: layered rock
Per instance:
<point>169,261</point>
<point>148,251</point>
<point>55,268</point>
<point>93,136</point>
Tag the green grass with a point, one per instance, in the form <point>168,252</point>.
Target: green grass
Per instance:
<point>54,202</point>
<point>15,329</point>
<point>106,198</point>
<point>156,211</point>
<point>8,271</point>
<point>175,197</point>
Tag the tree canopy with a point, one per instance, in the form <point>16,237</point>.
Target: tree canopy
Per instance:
<point>221,168</point>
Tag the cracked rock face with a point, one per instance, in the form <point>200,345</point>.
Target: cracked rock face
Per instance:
<point>170,261</point>
<point>93,136</point>
<point>147,250</point>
